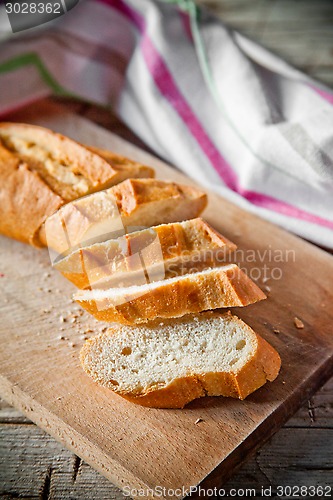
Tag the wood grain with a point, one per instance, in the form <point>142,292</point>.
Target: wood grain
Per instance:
<point>300,31</point>
<point>40,373</point>
<point>44,466</point>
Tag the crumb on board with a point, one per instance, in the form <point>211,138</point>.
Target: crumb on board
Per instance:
<point>298,323</point>
<point>198,420</point>
<point>276,330</point>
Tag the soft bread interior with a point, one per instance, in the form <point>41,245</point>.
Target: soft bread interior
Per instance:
<point>138,360</point>
<point>98,294</point>
<point>69,169</point>
<point>62,178</point>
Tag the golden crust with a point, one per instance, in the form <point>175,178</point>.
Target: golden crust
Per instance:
<point>132,203</point>
<point>222,287</point>
<point>263,366</point>
<point>70,170</point>
<point>123,166</point>
<point>25,199</point>
<point>182,248</point>
<point>41,170</point>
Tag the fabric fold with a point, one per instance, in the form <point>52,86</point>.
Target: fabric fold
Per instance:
<point>226,111</point>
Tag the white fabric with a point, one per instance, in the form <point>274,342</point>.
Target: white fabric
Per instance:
<point>215,104</point>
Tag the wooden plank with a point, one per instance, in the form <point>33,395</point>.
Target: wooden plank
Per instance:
<point>146,447</point>
<point>41,468</point>
<point>299,31</point>
<point>40,458</point>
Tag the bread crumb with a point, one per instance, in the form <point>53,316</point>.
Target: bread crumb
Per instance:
<point>267,288</point>
<point>61,337</point>
<point>198,420</point>
<point>298,323</point>
<point>72,344</point>
<point>276,331</point>
<point>62,319</point>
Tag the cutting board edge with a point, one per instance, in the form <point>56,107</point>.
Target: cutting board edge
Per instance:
<point>223,470</point>
<point>42,417</point>
<point>226,468</point>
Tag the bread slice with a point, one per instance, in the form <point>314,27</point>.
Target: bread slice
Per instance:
<point>226,286</point>
<point>41,170</point>
<point>162,251</point>
<point>167,365</point>
<point>132,204</point>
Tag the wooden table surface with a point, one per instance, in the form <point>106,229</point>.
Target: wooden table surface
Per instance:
<point>33,465</point>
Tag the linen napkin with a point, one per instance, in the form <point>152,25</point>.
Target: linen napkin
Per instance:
<point>220,107</point>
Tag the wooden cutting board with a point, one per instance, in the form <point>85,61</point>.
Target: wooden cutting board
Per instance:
<point>42,332</point>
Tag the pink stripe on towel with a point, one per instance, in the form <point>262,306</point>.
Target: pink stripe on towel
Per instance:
<point>169,89</point>
<point>323,93</point>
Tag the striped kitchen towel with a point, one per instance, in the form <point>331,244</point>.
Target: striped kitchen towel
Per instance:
<point>223,109</point>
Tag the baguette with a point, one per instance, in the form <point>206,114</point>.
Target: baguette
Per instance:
<point>131,204</point>
<point>226,286</point>
<point>167,365</point>
<point>123,166</point>
<point>161,252</point>
<point>25,199</point>
<point>41,170</point>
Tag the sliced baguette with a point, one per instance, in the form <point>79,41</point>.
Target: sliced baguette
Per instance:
<point>162,251</point>
<point>226,286</point>
<point>25,199</point>
<point>132,204</point>
<point>124,167</point>
<point>167,365</point>
<point>41,170</point>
